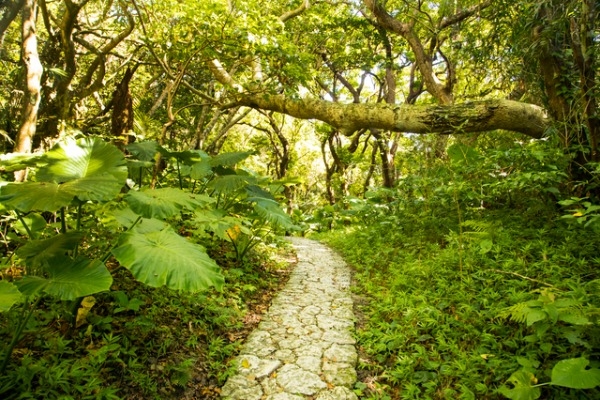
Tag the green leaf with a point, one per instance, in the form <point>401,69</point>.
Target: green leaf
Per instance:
<point>166,259</point>
<point>523,388</point>
<point>34,221</point>
<point>163,203</point>
<point>461,153</point>
<point>229,159</point>
<point>37,253</point>
<point>534,316</point>
<point>69,279</point>
<point>257,191</point>
<point>573,317</point>
<point>126,217</point>
<point>572,373</point>
<point>485,246</point>
<point>144,151</point>
<point>92,169</point>
<point>18,161</point>
<point>200,169</point>
<point>9,295</point>
<point>230,183</point>
<point>40,196</point>
<point>271,211</point>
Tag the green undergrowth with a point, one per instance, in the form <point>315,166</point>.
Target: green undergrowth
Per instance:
<point>138,342</point>
<point>484,304</point>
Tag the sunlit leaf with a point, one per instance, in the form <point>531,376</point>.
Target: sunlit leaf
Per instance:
<point>200,169</point>
<point>573,373</point>
<point>144,151</point>
<point>69,279</point>
<point>163,203</point>
<point>18,161</point>
<point>167,259</point>
<point>230,183</point>
<point>229,159</point>
<point>9,295</point>
<point>39,196</point>
<point>34,221</point>
<point>93,169</point>
<point>271,211</point>
<point>523,388</point>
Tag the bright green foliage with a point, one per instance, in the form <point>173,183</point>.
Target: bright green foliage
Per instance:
<point>90,168</point>
<point>470,285</point>
<point>524,389</point>
<point>37,253</point>
<point>68,279</point>
<point>164,203</point>
<point>573,373</point>
<point>9,295</point>
<point>165,258</point>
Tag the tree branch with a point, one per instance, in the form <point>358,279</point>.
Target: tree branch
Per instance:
<point>478,116</point>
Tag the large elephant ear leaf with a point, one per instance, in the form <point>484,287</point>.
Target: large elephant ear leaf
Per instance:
<point>39,196</point>
<point>144,151</point>
<point>163,203</point>
<point>166,259</point>
<point>69,279</point>
<point>90,168</point>
<point>37,252</point>
<point>270,211</point>
<point>229,159</point>
<point>9,295</point>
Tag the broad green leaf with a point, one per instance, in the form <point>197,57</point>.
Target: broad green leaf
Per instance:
<point>572,373</point>
<point>126,217</point>
<point>35,222</point>
<point>534,316</point>
<point>163,203</point>
<point>9,295</point>
<point>69,279</point>
<point>100,187</point>
<point>167,259</point>
<point>230,183</point>
<point>257,191</point>
<point>143,151</point>
<point>229,159</point>
<point>94,170</point>
<point>523,388</point>
<point>573,317</point>
<point>18,161</point>
<point>271,211</point>
<point>216,222</point>
<point>200,169</point>
<point>38,252</point>
<point>39,196</point>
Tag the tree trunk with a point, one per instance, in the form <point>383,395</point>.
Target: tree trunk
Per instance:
<point>122,115</point>
<point>31,100</point>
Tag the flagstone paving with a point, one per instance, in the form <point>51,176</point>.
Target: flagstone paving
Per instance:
<point>304,347</point>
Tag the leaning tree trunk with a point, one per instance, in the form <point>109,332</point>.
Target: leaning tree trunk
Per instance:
<point>34,69</point>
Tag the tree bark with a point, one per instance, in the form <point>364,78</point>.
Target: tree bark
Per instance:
<point>479,116</point>
<point>34,70</point>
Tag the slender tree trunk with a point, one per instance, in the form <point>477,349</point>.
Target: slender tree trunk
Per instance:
<point>11,10</point>
<point>34,70</point>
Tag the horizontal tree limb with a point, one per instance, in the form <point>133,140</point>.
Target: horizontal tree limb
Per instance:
<point>477,116</point>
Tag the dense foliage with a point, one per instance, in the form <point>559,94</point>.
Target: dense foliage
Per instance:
<point>150,159</point>
<point>475,285</point>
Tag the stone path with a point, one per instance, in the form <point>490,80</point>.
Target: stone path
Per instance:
<point>303,348</point>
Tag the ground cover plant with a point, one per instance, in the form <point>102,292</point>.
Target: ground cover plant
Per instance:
<point>460,300</point>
